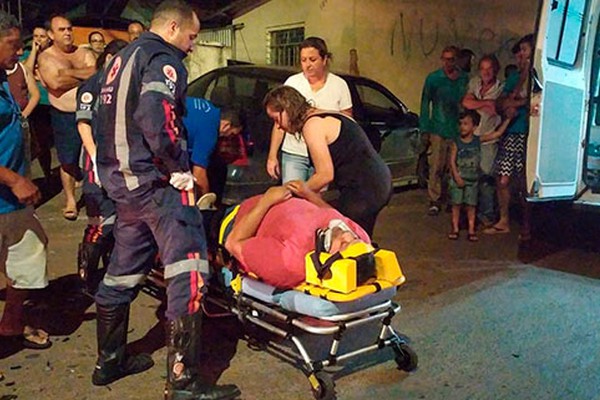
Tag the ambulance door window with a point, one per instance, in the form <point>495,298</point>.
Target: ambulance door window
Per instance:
<point>565,26</point>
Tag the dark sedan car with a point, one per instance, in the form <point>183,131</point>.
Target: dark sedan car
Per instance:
<point>391,126</point>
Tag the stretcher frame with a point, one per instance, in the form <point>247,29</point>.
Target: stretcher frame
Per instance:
<point>257,312</point>
<point>251,310</point>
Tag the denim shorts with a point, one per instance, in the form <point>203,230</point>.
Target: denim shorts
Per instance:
<point>295,167</point>
<point>466,195</point>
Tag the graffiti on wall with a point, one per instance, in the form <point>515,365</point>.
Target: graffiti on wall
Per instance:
<point>412,37</point>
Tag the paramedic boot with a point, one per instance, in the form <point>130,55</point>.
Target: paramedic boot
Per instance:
<point>88,260</point>
<point>111,331</point>
<point>183,360</point>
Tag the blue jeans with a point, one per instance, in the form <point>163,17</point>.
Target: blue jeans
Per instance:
<point>295,167</point>
<point>486,210</point>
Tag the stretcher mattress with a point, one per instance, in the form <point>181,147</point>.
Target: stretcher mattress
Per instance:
<point>302,303</point>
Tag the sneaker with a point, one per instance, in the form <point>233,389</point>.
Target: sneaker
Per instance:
<point>434,210</point>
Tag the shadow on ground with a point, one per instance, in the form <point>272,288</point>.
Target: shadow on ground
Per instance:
<point>559,227</point>
<point>60,309</point>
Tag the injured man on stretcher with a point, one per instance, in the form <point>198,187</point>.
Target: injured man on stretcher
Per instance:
<point>272,233</point>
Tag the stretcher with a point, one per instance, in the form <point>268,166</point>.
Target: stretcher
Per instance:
<point>328,307</point>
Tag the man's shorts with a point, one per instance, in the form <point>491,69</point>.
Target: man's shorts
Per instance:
<point>66,138</point>
<point>466,195</point>
<point>23,249</point>
<point>511,154</point>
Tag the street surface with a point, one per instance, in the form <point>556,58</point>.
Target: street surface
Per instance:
<point>489,320</point>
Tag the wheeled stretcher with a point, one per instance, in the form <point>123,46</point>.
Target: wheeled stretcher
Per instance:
<point>330,306</point>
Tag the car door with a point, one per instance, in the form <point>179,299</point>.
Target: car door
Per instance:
<point>380,113</point>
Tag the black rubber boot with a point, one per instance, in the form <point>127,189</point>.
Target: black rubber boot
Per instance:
<point>88,260</point>
<point>183,359</point>
<point>113,364</point>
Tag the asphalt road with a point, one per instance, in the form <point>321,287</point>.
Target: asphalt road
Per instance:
<point>489,320</point>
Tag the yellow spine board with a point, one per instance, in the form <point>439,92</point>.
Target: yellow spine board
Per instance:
<point>340,285</point>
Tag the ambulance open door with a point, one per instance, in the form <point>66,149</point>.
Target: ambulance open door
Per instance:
<point>555,149</point>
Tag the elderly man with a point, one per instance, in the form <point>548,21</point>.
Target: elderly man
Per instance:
<point>145,170</point>
<point>22,238</point>
<point>62,67</point>
<point>482,93</point>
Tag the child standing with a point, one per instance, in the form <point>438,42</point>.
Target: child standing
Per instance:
<point>465,157</point>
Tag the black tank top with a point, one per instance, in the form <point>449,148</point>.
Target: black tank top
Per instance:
<point>356,164</point>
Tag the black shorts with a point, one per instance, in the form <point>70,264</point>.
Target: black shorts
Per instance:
<point>66,138</point>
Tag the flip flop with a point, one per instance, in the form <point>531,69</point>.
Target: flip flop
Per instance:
<point>494,230</point>
<point>70,214</point>
<point>453,235</point>
<point>473,237</point>
<point>35,339</point>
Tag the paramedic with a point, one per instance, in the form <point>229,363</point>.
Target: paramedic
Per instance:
<point>341,153</point>
<point>145,170</point>
<point>272,233</point>
<point>97,237</point>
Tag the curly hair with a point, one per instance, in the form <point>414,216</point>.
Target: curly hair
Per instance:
<point>288,99</point>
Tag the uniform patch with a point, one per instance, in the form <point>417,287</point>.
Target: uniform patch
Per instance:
<point>170,73</point>
<point>114,70</point>
<point>87,98</point>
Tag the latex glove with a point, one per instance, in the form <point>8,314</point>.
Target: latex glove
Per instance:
<point>182,180</point>
<point>95,170</point>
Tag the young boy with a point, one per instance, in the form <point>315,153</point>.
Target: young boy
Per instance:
<point>465,156</point>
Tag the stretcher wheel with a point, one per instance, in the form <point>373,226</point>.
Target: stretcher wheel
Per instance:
<point>326,386</point>
<point>406,358</point>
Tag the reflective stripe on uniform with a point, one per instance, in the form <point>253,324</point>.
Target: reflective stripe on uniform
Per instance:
<point>159,87</point>
<point>109,221</point>
<point>121,144</point>
<point>83,115</point>
<point>128,281</point>
<point>183,266</point>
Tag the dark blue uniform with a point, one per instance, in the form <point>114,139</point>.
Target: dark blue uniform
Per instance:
<point>140,135</point>
<point>97,238</point>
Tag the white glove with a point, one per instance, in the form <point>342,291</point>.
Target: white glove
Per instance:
<point>182,180</point>
<point>95,171</point>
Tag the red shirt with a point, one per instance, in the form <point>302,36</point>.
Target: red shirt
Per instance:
<point>286,234</point>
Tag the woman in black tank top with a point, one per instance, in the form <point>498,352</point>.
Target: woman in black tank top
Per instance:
<point>340,152</point>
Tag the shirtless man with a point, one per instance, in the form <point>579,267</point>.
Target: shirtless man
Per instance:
<point>62,67</point>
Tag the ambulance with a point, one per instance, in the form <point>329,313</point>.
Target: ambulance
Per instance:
<point>563,152</point>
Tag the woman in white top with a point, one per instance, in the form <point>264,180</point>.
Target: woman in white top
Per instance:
<point>323,90</point>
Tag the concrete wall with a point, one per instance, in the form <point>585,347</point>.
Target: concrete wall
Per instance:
<point>206,57</point>
<point>398,41</point>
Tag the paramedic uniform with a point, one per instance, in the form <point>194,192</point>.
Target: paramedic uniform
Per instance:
<point>140,136</point>
<point>100,208</point>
